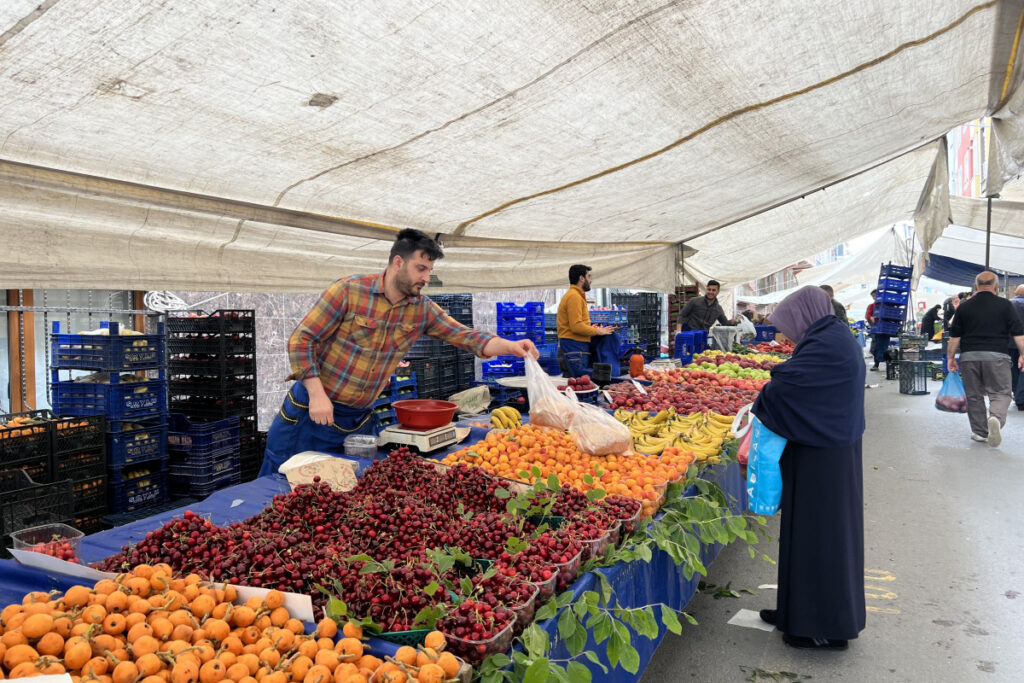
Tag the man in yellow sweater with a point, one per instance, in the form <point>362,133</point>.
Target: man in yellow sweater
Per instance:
<point>574,328</point>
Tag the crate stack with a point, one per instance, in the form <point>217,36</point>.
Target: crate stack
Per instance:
<point>891,299</point>
<point>443,369</point>
<point>402,386</point>
<point>515,322</point>
<point>643,326</point>
<point>25,503</point>
<point>679,299</point>
<point>204,456</point>
<point>128,388</point>
<point>212,370</point>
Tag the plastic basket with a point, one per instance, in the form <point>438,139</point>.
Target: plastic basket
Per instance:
<point>889,284</point>
<point>135,443</point>
<point>891,312</point>
<point>221,321</point>
<point>888,327</point>
<point>137,493</point>
<point>764,333</point>
<point>25,503</point>
<point>111,352</point>
<point>889,270</point>
<point>75,434</point>
<point>914,377</point>
<point>89,490</point>
<point>891,298</point>
<point>117,400</point>
<point>201,438</point>
<point>82,463</point>
<point>532,308</point>
<point>27,447</point>
<point>475,651</point>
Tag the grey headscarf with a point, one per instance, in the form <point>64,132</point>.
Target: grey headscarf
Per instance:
<point>800,310</point>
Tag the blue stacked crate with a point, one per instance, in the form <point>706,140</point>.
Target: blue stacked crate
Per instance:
<point>891,299</point>
<point>548,359</point>
<point>399,388</point>
<point>212,370</point>
<point>521,322</point>
<point>204,456</point>
<point>764,333</point>
<point>127,385</point>
<point>503,366</point>
<point>551,328</point>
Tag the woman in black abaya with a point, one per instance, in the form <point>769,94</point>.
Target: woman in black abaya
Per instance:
<point>816,401</point>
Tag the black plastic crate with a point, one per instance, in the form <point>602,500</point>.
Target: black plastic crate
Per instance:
<point>75,434</point>
<point>914,377</point>
<point>215,387</point>
<point>25,503</point>
<point>219,346</point>
<point>90,521</point>
<point>425,369</point>
<point>206,408</point>
<point>180,488</point>
<point>221,321</point>
<point>428,347</point>
<point>90,491</point>
<point>27,446</point>
<point>204,365</point>
<point>82,463</point>
<point>122,518</point>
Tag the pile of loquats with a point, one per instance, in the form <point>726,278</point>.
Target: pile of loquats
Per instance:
<point>149,626</point>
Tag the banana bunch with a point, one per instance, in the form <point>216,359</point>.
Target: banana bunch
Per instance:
<point>506,417</point>
<point>701,433</point>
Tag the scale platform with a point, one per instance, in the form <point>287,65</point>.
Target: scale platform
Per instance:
<point>423,440</point>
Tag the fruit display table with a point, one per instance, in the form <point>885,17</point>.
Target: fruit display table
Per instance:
<point>635,583</point>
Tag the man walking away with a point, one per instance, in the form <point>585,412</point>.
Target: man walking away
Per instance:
<point>979,331</point>
<point>1016,383</point>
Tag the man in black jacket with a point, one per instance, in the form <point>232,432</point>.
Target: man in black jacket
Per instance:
<point>979,331</point>
<point>928,322</point>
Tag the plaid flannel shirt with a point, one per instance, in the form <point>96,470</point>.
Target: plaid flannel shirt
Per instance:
<point>354,338</point>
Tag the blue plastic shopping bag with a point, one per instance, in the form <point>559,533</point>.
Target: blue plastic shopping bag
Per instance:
<point>764,478</point>
<point>952,397</point>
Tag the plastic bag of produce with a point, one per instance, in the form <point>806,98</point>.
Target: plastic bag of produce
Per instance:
<point>548,406</point>
<point>746,328</point>
<point>741,429</point>
<point>764,478</point>
<point>598,433</point>
<point>952,398</point>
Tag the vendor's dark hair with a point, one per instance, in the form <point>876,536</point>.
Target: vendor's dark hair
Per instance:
<point>409,241</point>
<point>576,272</point>
<point>716,283</point>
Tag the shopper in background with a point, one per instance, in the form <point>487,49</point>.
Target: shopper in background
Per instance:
<point>928,321</point>
<point>816,401</point>
<point>1016,383</point>
<point>836,306</point>
<point>879,341</point>
<point>345,350</point>
<point>980,328</point>
<point>573,321</point>
<point>702,312</point>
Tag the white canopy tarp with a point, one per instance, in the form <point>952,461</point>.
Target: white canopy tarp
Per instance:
<point>248,145</point>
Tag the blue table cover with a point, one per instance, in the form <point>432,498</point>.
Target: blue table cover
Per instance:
<point>636,584</point>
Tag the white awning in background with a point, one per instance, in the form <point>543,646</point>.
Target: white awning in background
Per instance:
<point>247,145</point>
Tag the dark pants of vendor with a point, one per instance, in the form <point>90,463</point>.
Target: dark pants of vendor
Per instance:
<point>576,355</point>
<point>293,432</point>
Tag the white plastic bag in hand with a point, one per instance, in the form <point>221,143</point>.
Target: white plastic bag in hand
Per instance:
<point>548,407</point>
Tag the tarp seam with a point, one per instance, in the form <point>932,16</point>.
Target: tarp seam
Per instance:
<point>732,115</point>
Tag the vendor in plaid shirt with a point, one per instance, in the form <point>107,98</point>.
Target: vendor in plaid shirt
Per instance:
<point>345,350</point>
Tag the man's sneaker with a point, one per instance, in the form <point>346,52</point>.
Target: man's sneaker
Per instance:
<point>995,436</point>
<point>875,366</point>
<point>979,437</point>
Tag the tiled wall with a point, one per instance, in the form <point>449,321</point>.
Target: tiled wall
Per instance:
<point>278,314</point>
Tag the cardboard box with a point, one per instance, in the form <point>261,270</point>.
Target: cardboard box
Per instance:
<point>337,471</point>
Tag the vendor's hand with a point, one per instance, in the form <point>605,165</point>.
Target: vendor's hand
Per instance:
<point>521,347</point>
<point>955,367</point>
<point>321,410</point>
<point>605,330</point>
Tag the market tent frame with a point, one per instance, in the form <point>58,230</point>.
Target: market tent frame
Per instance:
<point>234,146</point>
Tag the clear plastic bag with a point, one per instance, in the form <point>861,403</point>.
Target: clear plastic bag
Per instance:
<point>598,433</point>
<point>548,406</point>
<point>746,328</point>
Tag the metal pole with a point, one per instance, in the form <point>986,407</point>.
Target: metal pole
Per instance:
<point>988,228</point>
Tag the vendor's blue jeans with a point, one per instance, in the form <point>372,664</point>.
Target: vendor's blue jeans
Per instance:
<point>881,346</point>
<point>293,432</point>
<point>576,355</point>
